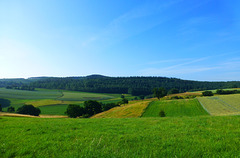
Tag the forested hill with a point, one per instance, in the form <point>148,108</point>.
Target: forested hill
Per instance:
<point>133,85</point>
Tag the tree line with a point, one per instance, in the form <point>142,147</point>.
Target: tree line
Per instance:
<point>132,85</point>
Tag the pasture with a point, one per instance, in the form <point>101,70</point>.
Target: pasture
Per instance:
<point>173,108</point>
<point>222,104</point>
<point>201,136</point>
<point>51,101</point>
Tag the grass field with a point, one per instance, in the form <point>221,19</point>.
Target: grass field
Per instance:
<point>196,137</point>
<point>172,108</point>
<point>222,104</point>
<point>133,109</point>
<point>52,101</point>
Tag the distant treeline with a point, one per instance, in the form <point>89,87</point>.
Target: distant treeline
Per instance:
<point>132,85</point>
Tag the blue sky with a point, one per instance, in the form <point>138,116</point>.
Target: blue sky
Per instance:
<point>187,39</point>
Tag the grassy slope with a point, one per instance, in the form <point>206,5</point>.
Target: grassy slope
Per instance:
<point>203,136</point>
<point>222,104</point>
<point>133,109</point>
<point>181,107</point>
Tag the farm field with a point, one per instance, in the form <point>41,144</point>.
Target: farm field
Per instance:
<point>172,108</point>
<point>51,101</point>
<point>201,136</point>
<point>133,109</point>
<point>222,104</point>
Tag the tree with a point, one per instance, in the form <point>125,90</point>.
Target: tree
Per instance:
<point>122,96</point>
<point>108,106</point>
<point>92,107</point>
<point>142,97</point>
<point>29,109</point>
<point>207,93</point>
<point>10,109</point>
<point>74,111</point>
<point>159,92</point>
<point>123,101</point>
<point>0,107</point>
<point>173,91</point>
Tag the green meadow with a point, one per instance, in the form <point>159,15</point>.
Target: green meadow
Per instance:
<point>174,108</point>
<point>52,102</point>
<point>201,136</point>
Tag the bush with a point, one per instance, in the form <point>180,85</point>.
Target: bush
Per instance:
<point>0,107</point>
<point>162,113</point>
<point>207,93</point>
<point>10,109</point>
<point>29,109</point>
<point>92,107</point>
<point>74,111</point>
<point>108,106</point>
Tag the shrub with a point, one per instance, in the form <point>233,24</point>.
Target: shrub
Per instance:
<point>0,107</point>
<point>92,107</point>
<point>10,109</point>
<point>29,109</point>
<point>162,113</point>
<point>74,111</point>
<point>207,93</point>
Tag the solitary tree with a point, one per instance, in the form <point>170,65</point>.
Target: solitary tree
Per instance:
<point>159,92</point>
<point>74,111</point>
<point>92,107</point>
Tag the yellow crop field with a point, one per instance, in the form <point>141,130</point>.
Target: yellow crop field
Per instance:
<point>133,109</point>
<point>222,104</point>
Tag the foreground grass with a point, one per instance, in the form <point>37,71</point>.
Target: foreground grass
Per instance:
<point>173,108</point>
<point>137,137</point>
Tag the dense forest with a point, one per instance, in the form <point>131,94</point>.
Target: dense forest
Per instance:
<point>131,85</point>
<point>121,85</point>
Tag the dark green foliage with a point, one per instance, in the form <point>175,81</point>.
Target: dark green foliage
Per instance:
<point>122,85</point>
<point>162,113</point>
<point>74,111</point>
<point>108,106</point>
<point>159,92</point>
<point>92,107</point>
<point>0,107</point>
<point>173,91</point>
<point>29,109</point>
<point>24,87</point>
<point>123,101</point>
<point>10,109</point>
<point>122,96</point>
<point>207,93</point>
<point>142,97</point>
<point>221,91</point>
<point>5,102</point>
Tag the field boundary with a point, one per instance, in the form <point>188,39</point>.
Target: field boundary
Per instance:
<point>204,107</point>
<point>146,108</point>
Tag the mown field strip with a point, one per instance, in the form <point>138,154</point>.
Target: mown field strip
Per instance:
<point>172,108</point>
<point>222,104</point>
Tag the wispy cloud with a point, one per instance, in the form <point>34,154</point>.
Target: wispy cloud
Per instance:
<point>131,23</point>
<point>193,66</point>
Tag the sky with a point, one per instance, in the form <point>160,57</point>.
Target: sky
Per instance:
<point>187,39</point>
